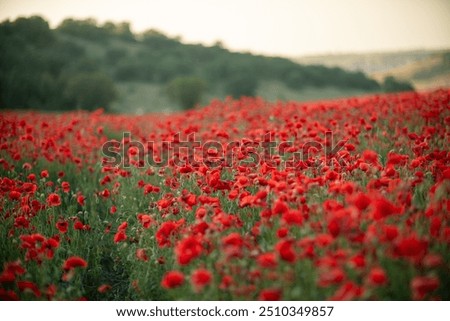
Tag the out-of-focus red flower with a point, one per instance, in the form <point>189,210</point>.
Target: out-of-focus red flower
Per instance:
<point>286,251</point>
<point>370,157</point>
<point>80,200</point>
<point>361,201</point>
<point>123,226</point>
<point>14,195</point>
<point>435,226</point>
<point>347,291</point>
<point>390,232</point>
<point>141,255</point>
<point>31,177</point>
<point>105,193</point>
<point>78,225</point>
<point>383,208</point>
<point>292,217</point>
<point>201,278</point>
<point>29,286</point>
<point>270,295</point>
<point>282,232</point>
<point>51,291</point>
<point>280,207</point>
<point>166,231</point>
<point>267,260</point>
<point>432,261</point>
<point>331,277</point>
<point>411,247</point>
<point>65,187</point>
<point>188,249</point>
<point>11,270</point>
<point>8,295</point>
<point>172,279</point>
<point>233,245</point>
<point>377,276</point>
<point>74,262</point>
<point>120,236</point>
<point>227,281</point>
<point>358,261</point>
<point>62,226</point>
<point>104,288</point>
<point>423,285</point>
<point>53,200</point>
<point>146,220</point>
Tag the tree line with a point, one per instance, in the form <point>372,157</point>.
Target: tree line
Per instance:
<point>79,63</point>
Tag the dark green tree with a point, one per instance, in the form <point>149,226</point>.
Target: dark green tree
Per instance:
<point>242,84</point>
<point>89,91</point>
<point>390,85</point>
<point>187,91</point>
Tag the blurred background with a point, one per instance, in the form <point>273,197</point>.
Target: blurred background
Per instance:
<point>140,56</point>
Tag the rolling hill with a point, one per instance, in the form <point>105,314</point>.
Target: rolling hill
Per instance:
<point>425,69</point>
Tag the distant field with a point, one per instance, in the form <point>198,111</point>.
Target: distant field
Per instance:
<point>140,98</point>
<point>424,69</point>
<point>278,91</point>
<point>428,73</point>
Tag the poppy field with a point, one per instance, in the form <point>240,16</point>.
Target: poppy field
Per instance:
<point>240,200</point>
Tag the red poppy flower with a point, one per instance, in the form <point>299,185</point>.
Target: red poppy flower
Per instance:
<point>104,288</point>
<point>65,187</point>
<point>286,251</point>
<point>62,226</point>
<point>370,157</point>
<point>279,207</point>
<point>30,286</point>
<point>411,247</point>
<point>74,262</point>
<point>81,199</point>
<point>14,195</point>
<point>270,295</point>
<point>292,217</point>
<point>166,231</point>
<point>330,277</point>
<point>172,279</point>
<point>267,260</point>
<point>390,232</point>
<point>141,255</point>
<point>200,278</point>
<point>188,249</point>
<point>120,236</point>
<point>227,281</point>
<point>377,276</point>
<point>105,193</point>
<point>383,208</point>
<point>51,291</point>
<point>44,174</point>
<point>347,291</point>
<point>8,295</point>
<point>423,285</point>
<point>53,200</point>
<point>123,226</point>
<point>361,201</point>
<point>145,220</point>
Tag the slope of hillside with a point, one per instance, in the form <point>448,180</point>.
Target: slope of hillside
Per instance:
<point>82,64</point>
<point>430,72</point>
<point>425,69</point>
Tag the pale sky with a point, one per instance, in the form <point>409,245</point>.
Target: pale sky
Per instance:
<point>271,27</point>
